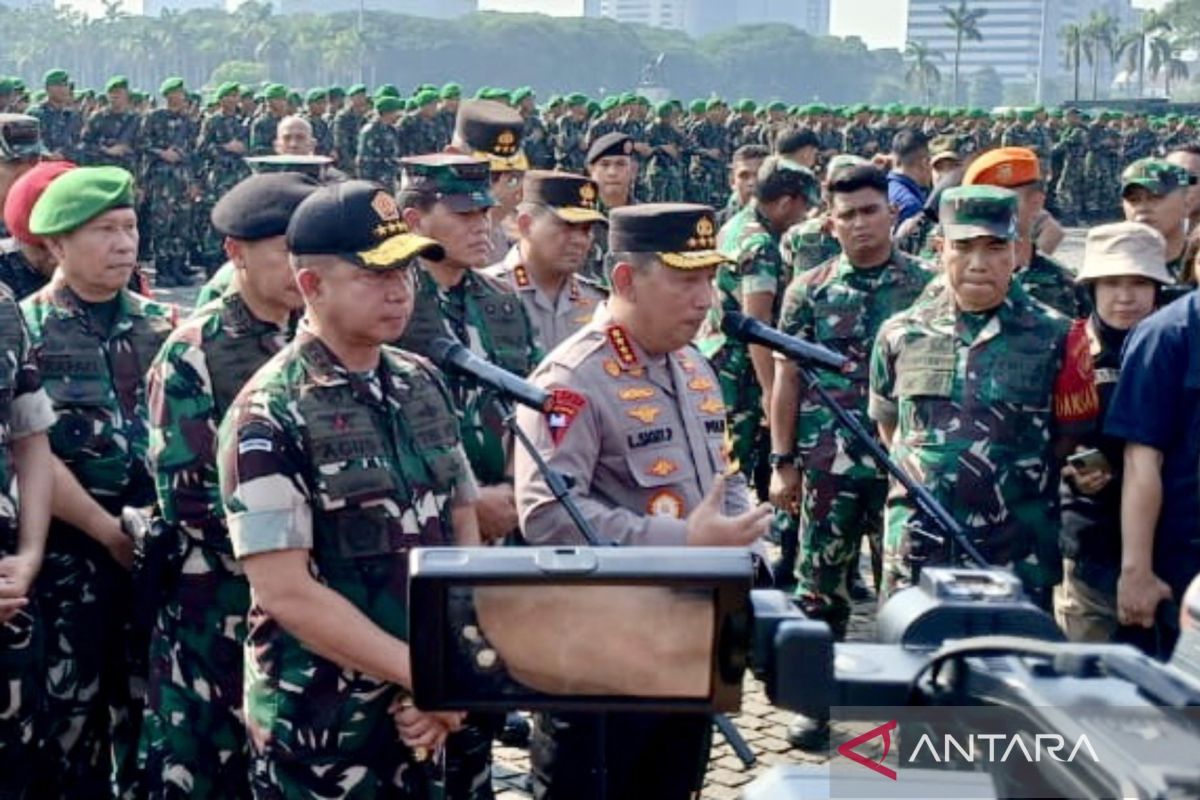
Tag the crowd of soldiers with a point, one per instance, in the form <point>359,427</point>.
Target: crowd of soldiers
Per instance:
<point>291,441</point>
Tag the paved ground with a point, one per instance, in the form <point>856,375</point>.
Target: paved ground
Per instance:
<point>763,726</point>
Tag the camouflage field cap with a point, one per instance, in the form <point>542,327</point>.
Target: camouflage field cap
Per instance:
<point>1124,249</point>
<point>1155,175</point>
<point>491,131</point>
<point>571,197</point>
<point>682,235</point>
<point>970,211</point>
<point>20,137</point>
<point>461,182</point>
<point>944,147</point>
<point>360,222</point>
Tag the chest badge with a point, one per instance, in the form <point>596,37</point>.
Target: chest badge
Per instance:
<point>662,468</point>
<point>645,414</point>
<point>712,405</point>
<point>665,504</point>
<point>634,393</point>
<point>700,384</point>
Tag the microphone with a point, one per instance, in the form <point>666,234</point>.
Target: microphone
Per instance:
<point>747,329</point>
<point>451,356</point>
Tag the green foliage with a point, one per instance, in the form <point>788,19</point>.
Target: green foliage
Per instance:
<point>985,89</point>
<point>554,55</point>
<point>247,73</point>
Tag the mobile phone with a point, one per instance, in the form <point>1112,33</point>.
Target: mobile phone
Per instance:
<point>1088,460</point>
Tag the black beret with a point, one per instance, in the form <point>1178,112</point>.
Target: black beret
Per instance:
<point>682,235</point>
<point>359,222</point>
<point>610,144</point>
<point>260,206</point>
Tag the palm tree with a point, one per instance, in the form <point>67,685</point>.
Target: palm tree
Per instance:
<point>1164,57</point>
<point>1102,35</point>
<point>965,24</point>
<point>1115,45</point>
<point>921,70</point>
<point>1152,22</point>
<point>1072,36</point>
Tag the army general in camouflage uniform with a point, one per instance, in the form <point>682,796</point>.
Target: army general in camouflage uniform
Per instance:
<point>338,458</point>
<point>194,736</point>
<point>973,391</point>
<point>95,340</point>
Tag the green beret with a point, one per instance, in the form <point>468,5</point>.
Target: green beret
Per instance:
<point>55,77</point>
<point>520,94</point>
<point>714,102</point>
<point>356,88</point>
<point>38,97</point>
<point>80,195</point>
<point>174,84</point>
<point>747,106</point>
<point>316,95</point>
<point>336,91</point>
<point>275,91</point>
<point>609,103</point>
<point>137,97</point>
<point>295,98</point>
<point>554,101</point>
<point>483,92</point>
<point>7,85</point>
<point>116,82</point>
<point>18,85</point>
<point>576,99</point>
<point>425,97</point>
<point>246,92</point>
<point>226,89</point>
<point>777,105</point>
<point>500,96</point>
<point>410,104</point>
<point>664,109</point>
<point>593,108</point>
<point>1025,115</point>
<point>84,94</point>
<point>387,104</point>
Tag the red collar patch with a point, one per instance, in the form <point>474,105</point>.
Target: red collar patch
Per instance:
<point>619,340</point>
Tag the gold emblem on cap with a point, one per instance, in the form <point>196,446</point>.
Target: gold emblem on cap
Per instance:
<point>385,206</point>
<point>587,195</point>
<point>705,238</point>
<point>1004,172</point>
<point>506,143</point>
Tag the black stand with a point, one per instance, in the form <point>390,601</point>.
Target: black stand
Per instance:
<point>925,502</point>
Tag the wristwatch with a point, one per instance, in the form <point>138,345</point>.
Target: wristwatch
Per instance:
<point>779,459</point>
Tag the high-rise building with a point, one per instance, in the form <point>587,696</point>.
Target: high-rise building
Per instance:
<point>658,13</point>
<point>1021,38</point>
<point>702,17</point>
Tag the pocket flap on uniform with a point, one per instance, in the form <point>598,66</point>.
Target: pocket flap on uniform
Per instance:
<point>661,466</point>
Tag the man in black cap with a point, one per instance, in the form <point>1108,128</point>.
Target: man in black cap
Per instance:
<point>660,482</point>
<point>492,131</point>
<point>337,458</point>
<point>610,164</point>
<point>194,738</point>
<point>554,230</point>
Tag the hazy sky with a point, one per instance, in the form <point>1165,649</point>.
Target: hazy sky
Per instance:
<point>880,23</point>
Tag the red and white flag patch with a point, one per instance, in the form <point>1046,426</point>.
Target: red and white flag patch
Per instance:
<point>565,406</point>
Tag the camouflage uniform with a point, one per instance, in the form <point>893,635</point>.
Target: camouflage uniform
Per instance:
<point>1139,143</point>
<point>379,152</point>
<point>665,176</point>
<point>841,307</point>
<point>95,381</point>
<point>1071,186</point>
<point>536,143</point>
<point>808,244</point>
<point>708,179</point>
<point>1049,282</point>
<point>1103,173</point>
<point>166,185</point>
<point>569,145</point>
<point>215,286</point>
<point>346,126</point>
<point>19,276</point>
<point>757,268</point>
<point>26,411</point>
<point>358,471</point>
<point>222,170</point>
<point>1016,135</point>
<point>61,129</point>
<point>194,737</point>
<point>107,128</point>
<point>972,398</point>
<point>858,140</point>
<point>262,134</point>
<point>322,132</point>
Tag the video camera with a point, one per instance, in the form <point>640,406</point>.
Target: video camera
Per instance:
<point>674,629</point>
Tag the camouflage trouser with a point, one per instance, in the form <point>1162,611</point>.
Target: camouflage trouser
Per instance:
<point>748,439</point>
<point>1103,202</point>
<point>835,512</point>
<point>194,737</point>
<point>708,185</point>
<point>218,182</point>
<point>1072,196</point>
<point>665,186</point>
<point>93,696</point>
<point>20,694</point>
<point>170,208</point>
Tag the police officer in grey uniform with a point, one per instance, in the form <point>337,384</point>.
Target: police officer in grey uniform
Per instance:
<point>554,226</point>
<point>638,422</point>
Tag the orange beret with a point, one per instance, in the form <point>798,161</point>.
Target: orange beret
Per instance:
<point>1004,166</point>
<point>24,194</point>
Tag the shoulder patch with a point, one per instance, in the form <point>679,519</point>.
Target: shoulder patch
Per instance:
<point>565,406</point>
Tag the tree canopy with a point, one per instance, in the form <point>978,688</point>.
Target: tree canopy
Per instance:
<point>595,56</point>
